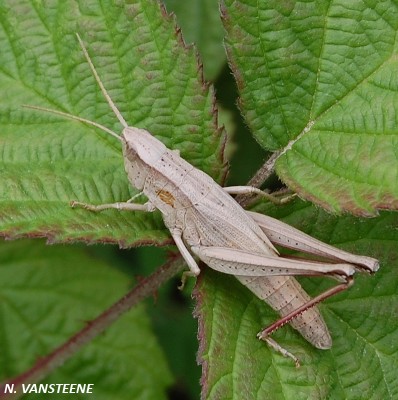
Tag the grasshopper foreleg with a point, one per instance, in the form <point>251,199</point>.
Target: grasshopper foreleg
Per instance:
<point>121,206</point>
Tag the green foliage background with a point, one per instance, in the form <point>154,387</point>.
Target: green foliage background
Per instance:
<point>318,75</point>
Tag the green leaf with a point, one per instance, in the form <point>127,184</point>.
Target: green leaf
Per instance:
<point>48,161</point>
<point>318,79</point>
<point>361,321</point>
<point>49,293</point>
<point>155,81</point>
<point>201,24</point>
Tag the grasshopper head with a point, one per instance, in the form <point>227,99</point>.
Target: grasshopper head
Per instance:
<point>141,151</point>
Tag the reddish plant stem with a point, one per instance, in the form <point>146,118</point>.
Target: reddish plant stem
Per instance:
<point>44,366</point>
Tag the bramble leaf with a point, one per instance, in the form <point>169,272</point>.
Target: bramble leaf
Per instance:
<point>48,161</point>
<point>361,321</point>
<point>318,80</point>
<point>317,76</point>
<point>48,294</point>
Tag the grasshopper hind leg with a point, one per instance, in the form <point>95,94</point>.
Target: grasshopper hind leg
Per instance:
<point>278,348</point>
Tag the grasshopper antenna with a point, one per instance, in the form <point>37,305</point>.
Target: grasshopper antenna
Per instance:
<point>102,87</point>
<point>104,92</point>
<point>71,116</point>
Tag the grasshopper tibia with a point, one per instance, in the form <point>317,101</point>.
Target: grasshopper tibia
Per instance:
<point>121,206</point>
<point>249,190</point>
<point>264,334</point>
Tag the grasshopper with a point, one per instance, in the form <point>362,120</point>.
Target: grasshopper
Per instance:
<point>206,222</point>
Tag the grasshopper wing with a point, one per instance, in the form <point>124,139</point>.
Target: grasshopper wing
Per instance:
<point>284,235</point>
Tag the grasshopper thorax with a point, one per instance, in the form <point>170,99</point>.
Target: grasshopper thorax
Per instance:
<point>141,152</point>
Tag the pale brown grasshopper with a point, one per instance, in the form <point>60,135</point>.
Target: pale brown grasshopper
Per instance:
<point>205,221</point>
